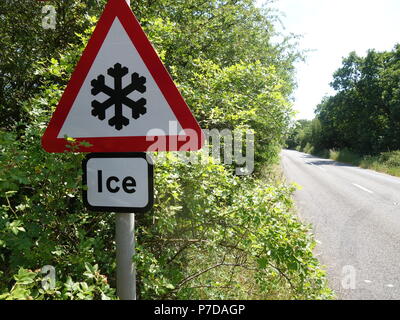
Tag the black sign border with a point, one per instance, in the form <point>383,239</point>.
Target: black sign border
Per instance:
<point>118,155</point>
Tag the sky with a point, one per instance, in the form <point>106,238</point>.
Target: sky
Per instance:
<point>332,29</point>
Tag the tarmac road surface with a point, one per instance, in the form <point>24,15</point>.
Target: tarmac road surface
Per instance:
<point>355,215</point>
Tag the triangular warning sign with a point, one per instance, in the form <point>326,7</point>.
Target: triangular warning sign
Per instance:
<point>120,97</point>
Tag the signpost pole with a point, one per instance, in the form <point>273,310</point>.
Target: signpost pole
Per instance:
<point>125,242</point>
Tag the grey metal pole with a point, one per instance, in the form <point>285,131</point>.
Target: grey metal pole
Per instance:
<point>125,242</point>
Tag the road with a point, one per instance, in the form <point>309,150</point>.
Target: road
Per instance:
<point>355,216</point>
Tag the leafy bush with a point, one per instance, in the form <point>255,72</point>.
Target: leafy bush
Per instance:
<point>387,162</point>
<point>31,285</point>
<point>204,219</point>
<point>237,225</point>
<point>309,148</point>
<point>391,158</point>
<point>345,155</point>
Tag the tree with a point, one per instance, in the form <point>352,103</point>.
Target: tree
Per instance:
<point>24,42</point>
<point>364,113</point>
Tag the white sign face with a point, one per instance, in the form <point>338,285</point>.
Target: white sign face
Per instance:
<point>118,182</point>
<point>118,56</point>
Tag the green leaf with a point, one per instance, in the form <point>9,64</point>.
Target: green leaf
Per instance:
<point>24,276</point>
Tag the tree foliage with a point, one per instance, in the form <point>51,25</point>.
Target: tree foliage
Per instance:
<point>364,114</point>
<point>23,42</point>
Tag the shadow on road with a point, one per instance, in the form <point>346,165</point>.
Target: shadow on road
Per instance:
<point>326,162</point>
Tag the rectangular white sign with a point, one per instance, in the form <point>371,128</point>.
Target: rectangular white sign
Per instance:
<point>118,182</point>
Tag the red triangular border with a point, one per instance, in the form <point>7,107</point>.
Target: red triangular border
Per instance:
<point>113,9</point>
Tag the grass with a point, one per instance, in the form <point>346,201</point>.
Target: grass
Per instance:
<point>386,162</point>
<point>345,155</point>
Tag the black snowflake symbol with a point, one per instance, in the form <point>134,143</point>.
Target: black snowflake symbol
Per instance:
<point>118,96</point>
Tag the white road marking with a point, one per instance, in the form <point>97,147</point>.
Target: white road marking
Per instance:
<point>390,286</point>
<point>362,188</point>
<point>367,281</point>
